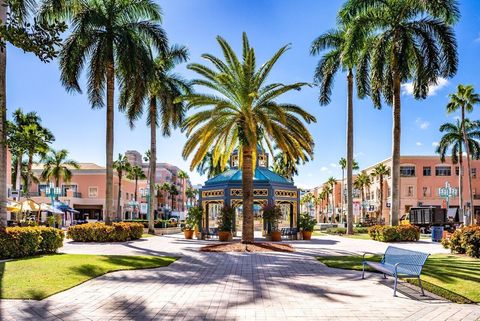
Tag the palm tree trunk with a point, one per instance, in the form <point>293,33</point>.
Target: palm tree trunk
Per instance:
<point>3,125</point>
<point>396,132</point>
<point>29,171</point>
<point>334,220</point>
<point>136,187</point>
<point>153,162</point>
<point>18,180</point>
<point>469,170</point>
<point>247,187</point>
<point>381,197</point>
<point>363,201</point>
<point>460,184</point>
<point>350,153</point>
<point>119,210</point>
<point>109,139</point>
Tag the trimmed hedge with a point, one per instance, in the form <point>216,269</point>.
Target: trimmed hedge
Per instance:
<point>156,224</point>
<point>99,232</point>
<point>18,242</point>
<point>401,233</point>
<point>465,241</point>
<point>343,230</point>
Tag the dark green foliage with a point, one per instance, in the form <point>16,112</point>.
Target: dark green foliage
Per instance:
<point>225,219</point>
<point>272,215</point>
<point>18,242</point>
<point>99,232</point>
<point>306,222</point>
<point>465,241</point>
<point>194,217</point>
<point>402,233</point>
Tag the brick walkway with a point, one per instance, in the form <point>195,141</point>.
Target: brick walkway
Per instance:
<point>238,286</point>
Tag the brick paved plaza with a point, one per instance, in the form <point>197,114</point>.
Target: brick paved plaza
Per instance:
<point>238,286</point>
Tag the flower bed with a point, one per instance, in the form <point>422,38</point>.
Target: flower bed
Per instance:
<point>465,241</point>
<point>18,242</point>
<point>99,232</point>
<point>401,233</point>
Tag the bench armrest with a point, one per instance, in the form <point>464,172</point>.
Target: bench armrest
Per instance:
<point>410,264</point>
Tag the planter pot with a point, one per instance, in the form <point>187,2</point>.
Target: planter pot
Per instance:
<point>224,236</point>
<point>276,236</point>
<point>188,234</point>
<point>307,235</point>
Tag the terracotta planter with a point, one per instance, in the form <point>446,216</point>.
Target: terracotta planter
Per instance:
<point>224,236</point>
<point>276,236</point>
<point>188,234</point>
<point>307,235</point>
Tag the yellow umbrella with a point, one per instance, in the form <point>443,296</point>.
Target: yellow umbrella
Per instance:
<point>13,206</point>
<point>29,205</point>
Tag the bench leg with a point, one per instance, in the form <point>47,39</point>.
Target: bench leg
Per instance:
<point>395,286</point>
<point>421,287</point>
<point>363,271</point>
<point>384,276</point>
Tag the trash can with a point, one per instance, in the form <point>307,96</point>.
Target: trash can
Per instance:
<point>437,233</point>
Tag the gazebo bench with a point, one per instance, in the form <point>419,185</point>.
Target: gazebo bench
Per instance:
<point>210,232</point>
<point>398,262</point>
<point>290,232</point>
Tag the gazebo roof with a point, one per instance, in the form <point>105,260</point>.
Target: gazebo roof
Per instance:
<point>261,174</point>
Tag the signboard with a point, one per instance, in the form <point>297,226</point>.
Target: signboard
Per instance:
<point>143,208</point>
<point>448,191</point>
<point>356,209</point>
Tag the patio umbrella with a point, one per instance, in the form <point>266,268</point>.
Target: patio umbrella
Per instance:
<point>13,206</point>
<point>29,205</point>
<point>49,208</point>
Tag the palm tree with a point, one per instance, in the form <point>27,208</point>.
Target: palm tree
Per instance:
<point>136,173</point>
<point>326,191</point>
<point>413,41</point>
<point>160,90</point>
<point>332,182</point>
<point>343,164</point>
<point>306,200</point>
<point>183,176</point>
<point>381,171</point>
<point>115,37</point>
<point>207,166</point>
<point>362,182</point>
<point>171,189</point>
<point>465,99</point>
<point>245,113</point>
<point>191,193</point>
<point>122,166</point>
<point>56,166</point>
<point>285,166</point>
<point>339,57</point>
<point>454,140</point>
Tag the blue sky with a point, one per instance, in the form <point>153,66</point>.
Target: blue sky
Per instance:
<point>33,85</point>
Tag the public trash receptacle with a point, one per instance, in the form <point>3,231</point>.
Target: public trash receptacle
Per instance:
<point>437,233</point>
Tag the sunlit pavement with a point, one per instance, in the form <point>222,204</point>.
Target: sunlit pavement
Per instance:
<point>238,286</point>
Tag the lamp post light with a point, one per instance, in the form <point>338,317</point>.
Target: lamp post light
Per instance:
<point>52,192</point>
<point>146,193</point>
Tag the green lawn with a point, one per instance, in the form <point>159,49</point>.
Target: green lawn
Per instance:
<point>453,277</point>
<point>362,236</point>
<point>146,235</point>
<point>41,276</point>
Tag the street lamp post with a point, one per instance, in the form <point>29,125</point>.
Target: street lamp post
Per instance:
<point>146,193</point>
<point>52,192</point>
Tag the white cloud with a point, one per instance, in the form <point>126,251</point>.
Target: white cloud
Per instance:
<point>407,88</point>
<point>324,168</point>
<point>478,38</point>
<point>333,165</point>
<point>435,144</point>
<point>423,124</point>
<point>419,144</point>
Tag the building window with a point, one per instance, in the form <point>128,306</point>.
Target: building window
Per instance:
<point>409,191</point>
<point>474,173</point>
<point>427,171</point>
<point>457,170</point>
<point>93,192</point>
<point>407,171</point>
<point>426,192</point>
<point>443,171</point>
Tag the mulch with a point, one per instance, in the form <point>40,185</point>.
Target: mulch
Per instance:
<point>252,247</point>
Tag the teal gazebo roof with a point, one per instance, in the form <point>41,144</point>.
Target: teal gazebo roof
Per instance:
<point>235,175</point>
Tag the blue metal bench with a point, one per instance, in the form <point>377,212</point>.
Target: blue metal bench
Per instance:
<point>290,232</point>
<point>398,262</point>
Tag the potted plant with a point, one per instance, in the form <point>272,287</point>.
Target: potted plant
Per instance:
<point>194,219</point>
<point>272,215</point>
<point>225,223</point>
<point>306,224</point>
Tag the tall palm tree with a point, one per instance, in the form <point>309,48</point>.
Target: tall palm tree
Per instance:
<point>413,41</point>
<point>207,166</point>
<point>381,171</point>
<point>112,36</point>
<point>343,164</point>
<point>57,166</point>
<point>332,182</point>
<point>136,173</point>
<point>326,191</point>
<point>465,99</point>
<point>453,139</point>
<point>172,191</point>
<point>183,176</point>
<point>362,182</point>
<point>122,166</point>
<point>159,91</point>
<point>191,193</point>
<point>339,57</point>
<point>285,166</point>
<point>244,113</point>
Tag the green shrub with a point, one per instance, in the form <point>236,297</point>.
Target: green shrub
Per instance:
<point>336,230</point>
<point>99,232</point>
<point>306,222</point>
<point>400,233</point>
<point>18,242</point>
<point>360,230</point>
<point>52,239</point>
<point>465,241</point>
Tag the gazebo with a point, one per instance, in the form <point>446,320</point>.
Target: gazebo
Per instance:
<point>269,188</point>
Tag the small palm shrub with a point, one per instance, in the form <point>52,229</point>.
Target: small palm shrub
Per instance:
<point>99,232</point>
<point>306,222</point>
<point>225,219</point>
